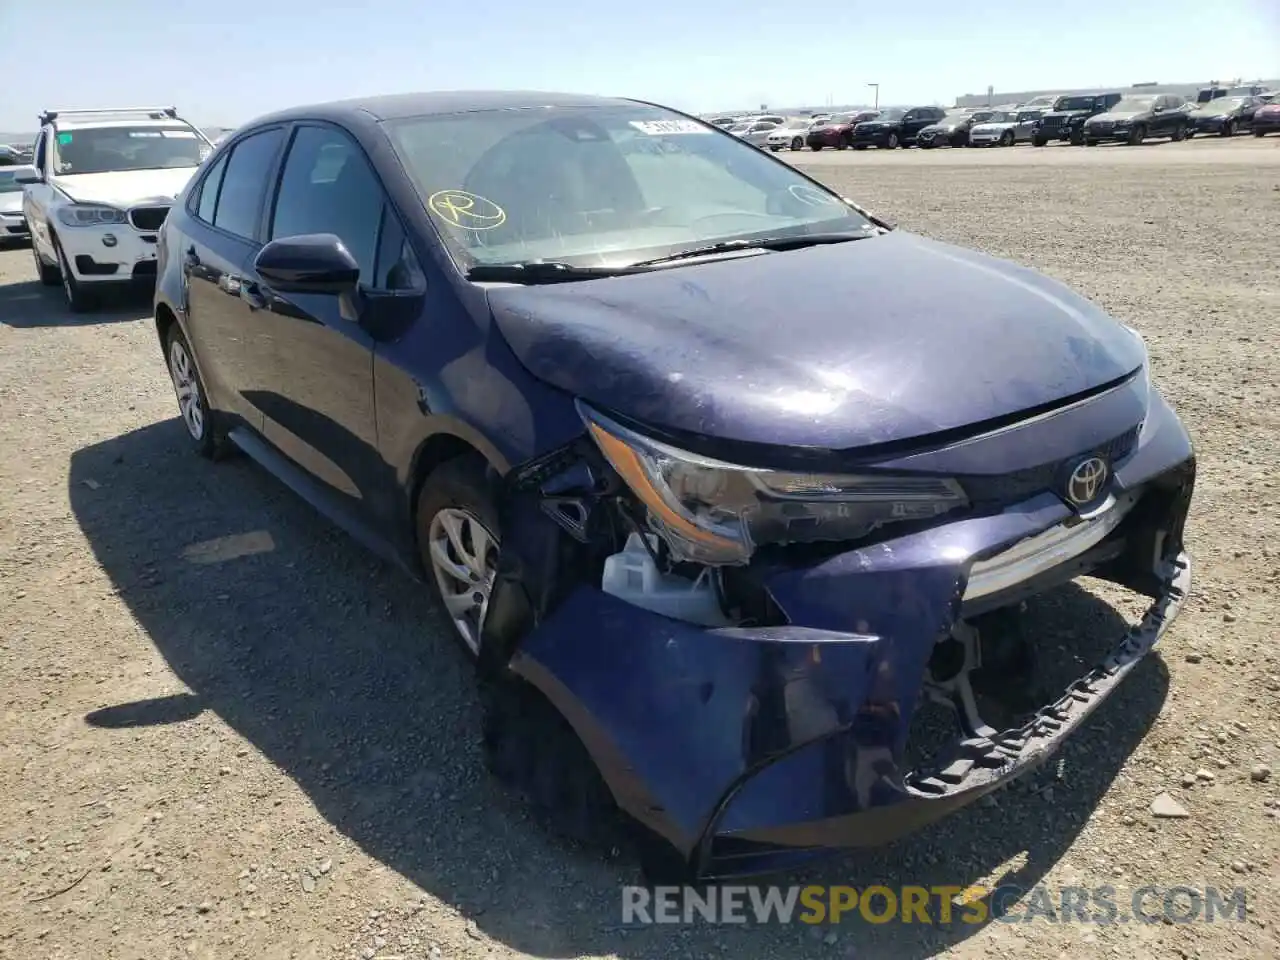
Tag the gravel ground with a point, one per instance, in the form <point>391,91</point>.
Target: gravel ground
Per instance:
<point>232,733</point>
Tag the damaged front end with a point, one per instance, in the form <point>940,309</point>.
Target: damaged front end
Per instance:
<point>742,651</point>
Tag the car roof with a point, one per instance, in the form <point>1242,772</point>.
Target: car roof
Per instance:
<point>89,123</point>
<point>399,106</point>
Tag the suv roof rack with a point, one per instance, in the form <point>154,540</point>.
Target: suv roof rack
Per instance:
<point>153,113</point>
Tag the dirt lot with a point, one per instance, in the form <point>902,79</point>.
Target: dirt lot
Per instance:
<point>265,746</point>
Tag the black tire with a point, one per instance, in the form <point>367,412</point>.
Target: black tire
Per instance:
<point>893,143</point>
<point>1039,141</point>
<point>1229,128</point>
<point>212,443</point>
<point>1089,142</point>
<point>773,147</point>
<point>1259,133</point>
<point>79,299</point>
<point>1179,133</point>
<point>465,483</point>
<point>863,146</point>
<point>49,274</point>
<point>1006,139</point>
<point>816,147</point>
<point>1137,135</point>
<point>797,144</point>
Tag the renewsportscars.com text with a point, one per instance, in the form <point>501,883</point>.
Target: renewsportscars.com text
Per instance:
<point>939,904</point>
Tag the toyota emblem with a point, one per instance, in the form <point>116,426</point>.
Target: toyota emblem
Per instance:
<point>1087,481</point>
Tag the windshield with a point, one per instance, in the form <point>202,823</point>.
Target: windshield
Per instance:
<point>1239,92</point>
<point>1134,105</point>
<point>113,149</point>
<point>1025,115</point>
<point>8,181</point>
<point>997,116</point>
<point>982,116</point>
<point>891,115</point>
<point>1227,103</point>
<point>602,186</point>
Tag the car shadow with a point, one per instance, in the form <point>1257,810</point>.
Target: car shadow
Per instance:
<point>339,669</point>
<point>29,304</point>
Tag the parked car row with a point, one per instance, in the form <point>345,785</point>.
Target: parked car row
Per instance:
<point>1078,119</point>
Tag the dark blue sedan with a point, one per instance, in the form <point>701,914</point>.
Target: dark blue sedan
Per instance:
<point>718,477</point>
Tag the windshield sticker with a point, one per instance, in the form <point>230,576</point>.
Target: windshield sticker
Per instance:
<point>812,196</point>
<point>64,138</point>
<point>178,134</point>
<point>662,128</point>
<point>145,133</point>
<point>466,210</point>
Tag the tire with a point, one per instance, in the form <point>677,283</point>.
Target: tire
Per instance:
<point>797,144</point>
<point>1229,129</point>
<point>1089,142</point>
<point>1137,135</point>
<point>206,438</point>
<point>1190,132</point>
<point>1179,133</point>
<point>842,145</point>
<point>1259,133</point>
<point>816,147</point>
<point>457,509</point>
<point>893,143</point>
<point>774,148</point>
<point>49,274</point>
<point>1039,141</point>
<point>1006,139</point>
<point>79,299</point>
<point>863,146</point>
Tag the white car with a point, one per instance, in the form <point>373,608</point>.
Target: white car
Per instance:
<point>790,135</point>
<point>754,132</point>
<point>13,225</point>
<point>102,185</point>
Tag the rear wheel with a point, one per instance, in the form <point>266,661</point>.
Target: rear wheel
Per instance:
<point>193,399</point>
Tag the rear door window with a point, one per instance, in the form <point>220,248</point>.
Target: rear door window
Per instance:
<point>207,200</point>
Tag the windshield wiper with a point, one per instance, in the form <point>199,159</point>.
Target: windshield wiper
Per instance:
<point>759,243</point>
<point>544,271</point>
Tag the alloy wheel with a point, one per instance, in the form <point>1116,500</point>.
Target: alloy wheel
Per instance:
<point>464,558</point>
<point>183,373</point>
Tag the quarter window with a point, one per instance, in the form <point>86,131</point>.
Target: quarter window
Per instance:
<point>328,187</point>
<point>243,182</point>
<point>207,202</point>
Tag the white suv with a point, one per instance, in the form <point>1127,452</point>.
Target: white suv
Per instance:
<point>104,181</point>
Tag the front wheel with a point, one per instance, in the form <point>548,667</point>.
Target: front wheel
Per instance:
<point>458,540</point>
<point>48,273</point>
<point>1006,139</point>
<point>79,299</point>
<point>797,144</point>
<point>774,147</point>
<point>1039,141</point>
<point>193,399</point>
<point>1259,133</point>
<point>893,141</point>
<point>1137,135</point>
<point>1179,133</point>
<point>1229,128</point>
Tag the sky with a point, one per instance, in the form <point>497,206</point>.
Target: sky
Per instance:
<point>223,62</point>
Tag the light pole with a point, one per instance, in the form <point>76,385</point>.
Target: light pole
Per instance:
<point>876,87</point>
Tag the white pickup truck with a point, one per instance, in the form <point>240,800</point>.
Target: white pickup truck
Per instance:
<point>103,183</point>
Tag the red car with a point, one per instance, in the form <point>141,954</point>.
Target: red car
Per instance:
<point>838,131</point>
<point>1267,119</point>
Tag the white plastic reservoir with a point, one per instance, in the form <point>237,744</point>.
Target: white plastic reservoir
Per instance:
<point>633,576</point>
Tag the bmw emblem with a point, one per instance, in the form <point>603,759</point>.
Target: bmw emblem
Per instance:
<point>1086,481</point>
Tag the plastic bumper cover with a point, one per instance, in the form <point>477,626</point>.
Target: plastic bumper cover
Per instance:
<point>105,254</point>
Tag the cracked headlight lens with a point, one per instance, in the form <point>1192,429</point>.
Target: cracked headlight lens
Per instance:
<point>714,512</point>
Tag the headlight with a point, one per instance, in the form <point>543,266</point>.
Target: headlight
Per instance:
<point>714,512</point>
<point>90,215</point>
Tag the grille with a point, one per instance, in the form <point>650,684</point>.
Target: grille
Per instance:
<point>1023,484</point>
<point>1052,123</point>
<point>148,218</point>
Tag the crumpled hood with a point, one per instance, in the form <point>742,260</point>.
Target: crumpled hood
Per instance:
<point>838,346</point>
<point>127,187</point>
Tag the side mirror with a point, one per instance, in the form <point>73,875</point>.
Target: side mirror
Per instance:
<point>311,263</point>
